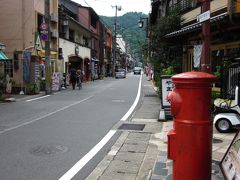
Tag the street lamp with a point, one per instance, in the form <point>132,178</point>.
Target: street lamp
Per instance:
<point>117,8</point>
<point>141,23</point>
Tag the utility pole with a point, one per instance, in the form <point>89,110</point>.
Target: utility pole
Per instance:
<point>48,80</point>
<point>117,8</point>
<point>205,57</point>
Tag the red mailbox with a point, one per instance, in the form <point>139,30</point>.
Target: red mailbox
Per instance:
<point>190,140</point>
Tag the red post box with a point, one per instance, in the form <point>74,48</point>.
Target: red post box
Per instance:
<point>190,140</point>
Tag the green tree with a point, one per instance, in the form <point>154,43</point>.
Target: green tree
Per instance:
<point>128,28</point>
<point>166,52</point>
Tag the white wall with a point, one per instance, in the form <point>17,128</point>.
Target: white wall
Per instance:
<point>68,49</point>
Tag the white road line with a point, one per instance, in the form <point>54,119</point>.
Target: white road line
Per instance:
<point>44,116</point>
<point>125,117</point>
<point>34,99</point>
<point>82,162</point>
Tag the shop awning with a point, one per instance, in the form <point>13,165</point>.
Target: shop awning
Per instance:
<point>3,57</point>
<point>195,26</point>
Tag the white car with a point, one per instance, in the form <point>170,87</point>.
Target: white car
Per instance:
<point>120,73</point>
<point>137,70</point>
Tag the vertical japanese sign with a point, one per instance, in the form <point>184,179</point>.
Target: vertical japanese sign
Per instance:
<point>167,86</point>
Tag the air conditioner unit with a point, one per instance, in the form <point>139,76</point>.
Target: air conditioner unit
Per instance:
<point>54,18</point>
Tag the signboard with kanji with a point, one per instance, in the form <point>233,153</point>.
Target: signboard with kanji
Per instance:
<point>167,86</point>
<point>230,164</point>
<point>204,16</point>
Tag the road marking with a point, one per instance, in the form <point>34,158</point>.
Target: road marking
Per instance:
<point>34,99</point>
<point>44,116</point>
<point>125,117</point>
<point>82,162</point>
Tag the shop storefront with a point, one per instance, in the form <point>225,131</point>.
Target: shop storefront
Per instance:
<point>75,55</point>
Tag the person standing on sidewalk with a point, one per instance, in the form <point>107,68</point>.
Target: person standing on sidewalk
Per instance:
<point>73,77</point>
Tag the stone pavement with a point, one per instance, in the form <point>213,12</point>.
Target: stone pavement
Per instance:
<point>140,153</point>
<point>134,154</point>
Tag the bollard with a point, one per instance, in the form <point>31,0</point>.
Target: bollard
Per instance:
<point>190,140</point>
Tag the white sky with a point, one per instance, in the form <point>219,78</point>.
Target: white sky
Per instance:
<point>104,7</point>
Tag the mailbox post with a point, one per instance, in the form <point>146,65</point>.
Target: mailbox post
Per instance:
<point>190,140</point>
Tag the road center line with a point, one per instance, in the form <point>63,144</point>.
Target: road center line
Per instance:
<point>125,117</point>
<point>44,116</point>
<point>85,159</point>
<point>34,99</point>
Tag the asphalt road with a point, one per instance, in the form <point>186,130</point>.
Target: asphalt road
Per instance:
<point>45,138</point>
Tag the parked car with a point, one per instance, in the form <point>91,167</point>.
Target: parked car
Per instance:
<point>137,70</point>
<point>120,73</point>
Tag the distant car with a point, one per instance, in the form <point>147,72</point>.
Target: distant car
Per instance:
<point>120,73</point>
<point>137,70</point>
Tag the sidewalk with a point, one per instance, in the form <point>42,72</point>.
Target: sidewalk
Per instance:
<point>140,153</point>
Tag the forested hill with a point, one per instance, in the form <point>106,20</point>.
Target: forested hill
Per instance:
<point>127,26</point>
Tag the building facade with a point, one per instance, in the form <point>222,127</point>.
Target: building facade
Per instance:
<point>75,39</point>
<point>20,31</point>
<point>224,35</point>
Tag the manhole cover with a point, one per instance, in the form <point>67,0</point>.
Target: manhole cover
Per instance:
<point>215,140</point>
<point>150,95</point>
<point>47,150</point>
<point>136,127</point>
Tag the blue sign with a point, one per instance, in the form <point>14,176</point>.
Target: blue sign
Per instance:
<point>44,37</point>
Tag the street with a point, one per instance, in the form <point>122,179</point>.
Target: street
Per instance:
<point>44,138</point>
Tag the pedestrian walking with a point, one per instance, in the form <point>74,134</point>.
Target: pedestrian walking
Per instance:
<point>73,77</point>
<point>79,78</point>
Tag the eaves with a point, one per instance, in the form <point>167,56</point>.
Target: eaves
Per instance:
<point>195,26</point>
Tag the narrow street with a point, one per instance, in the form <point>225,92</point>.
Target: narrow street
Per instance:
<point>45,137</point>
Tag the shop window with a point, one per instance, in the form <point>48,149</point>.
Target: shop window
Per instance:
<point>39,21</point>
<point>16,61</point>
<point>85,41</point>
<point>8,67</point>
<point>71,35</point>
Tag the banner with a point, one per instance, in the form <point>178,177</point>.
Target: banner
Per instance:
<point>26,66</point>
<point>197,55</point>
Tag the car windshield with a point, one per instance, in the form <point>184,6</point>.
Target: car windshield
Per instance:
<point>137,68</point>
<point>120,70</point>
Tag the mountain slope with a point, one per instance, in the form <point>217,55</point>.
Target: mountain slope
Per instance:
<point>127,26</point>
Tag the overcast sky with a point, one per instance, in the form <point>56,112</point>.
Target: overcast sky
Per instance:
<point>104,7</point>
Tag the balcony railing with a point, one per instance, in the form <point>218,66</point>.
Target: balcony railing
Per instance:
<point>185,5</point>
